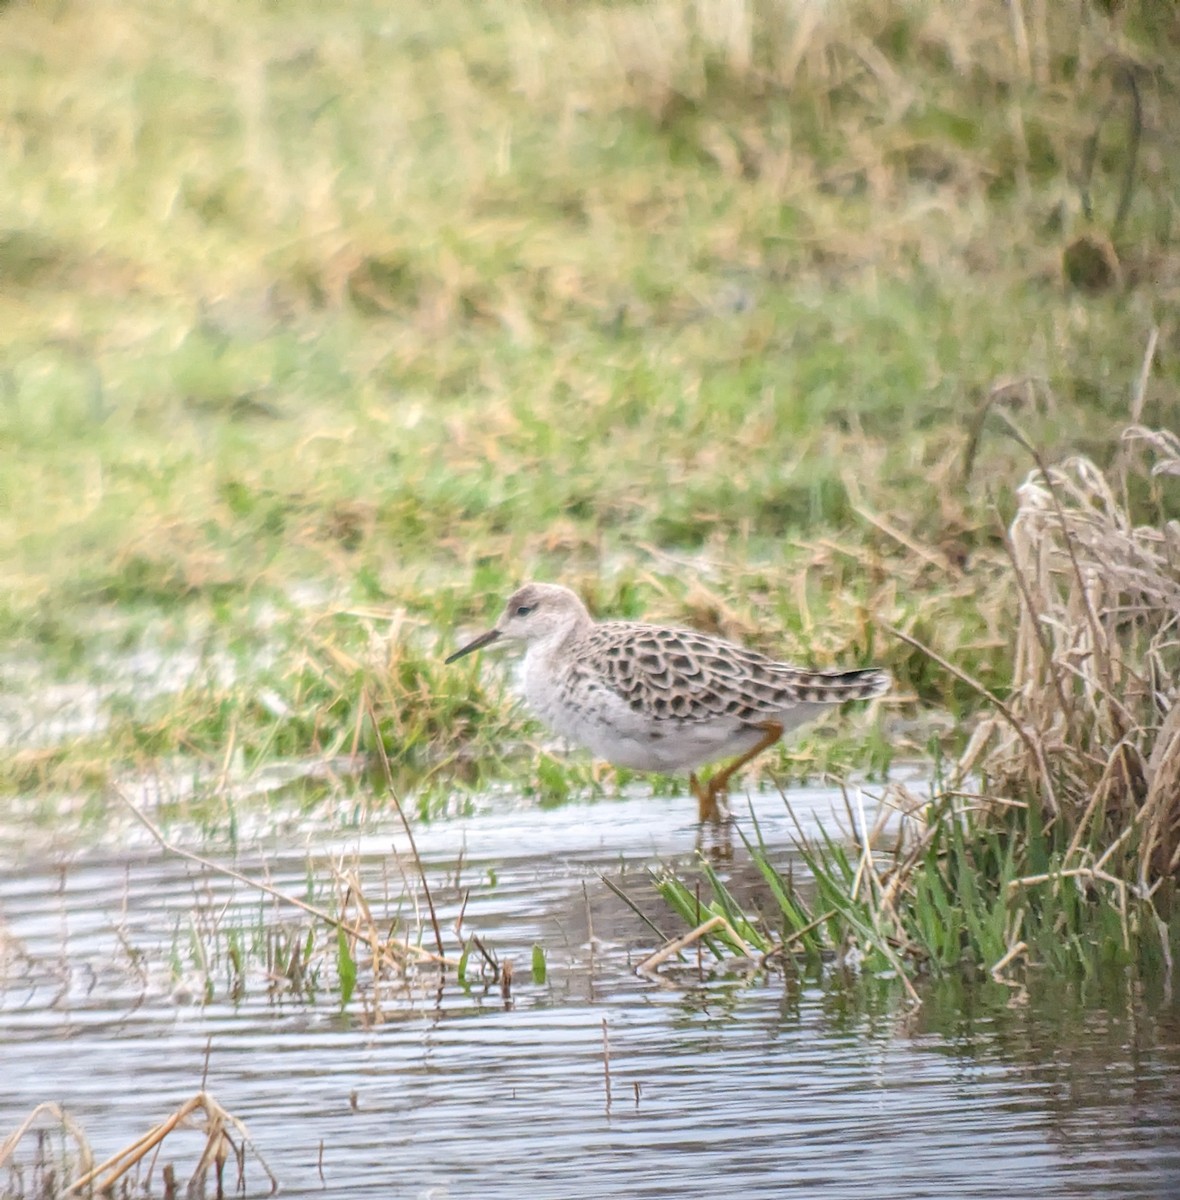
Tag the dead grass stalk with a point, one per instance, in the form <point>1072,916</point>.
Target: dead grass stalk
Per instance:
<point>407,951</point>
<point>1092,725</point>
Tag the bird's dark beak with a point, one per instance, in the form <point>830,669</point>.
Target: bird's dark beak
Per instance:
<point>483,640</point>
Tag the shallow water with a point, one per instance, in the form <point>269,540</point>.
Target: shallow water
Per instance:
<point>717,1084</point>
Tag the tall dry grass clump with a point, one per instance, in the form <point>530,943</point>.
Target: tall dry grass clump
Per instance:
<point>1091,728</point>
<point>1056,843</point>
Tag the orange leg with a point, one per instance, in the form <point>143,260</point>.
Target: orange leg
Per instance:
<point>708,794</point>
<point>707,806</point>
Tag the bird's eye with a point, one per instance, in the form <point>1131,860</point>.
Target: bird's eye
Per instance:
<point>523,610</point>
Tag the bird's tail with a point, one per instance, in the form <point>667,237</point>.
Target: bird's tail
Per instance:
<point>834,687</point>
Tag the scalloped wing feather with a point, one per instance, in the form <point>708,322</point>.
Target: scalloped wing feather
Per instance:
<point>685,676</point>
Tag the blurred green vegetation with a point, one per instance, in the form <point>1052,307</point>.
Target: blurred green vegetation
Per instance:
<point>320,327</point>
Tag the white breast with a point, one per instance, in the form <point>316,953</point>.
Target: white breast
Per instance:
<point>600,720</point>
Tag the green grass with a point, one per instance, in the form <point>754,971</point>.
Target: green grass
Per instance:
<point>312,313</point>
<point>959,896</point>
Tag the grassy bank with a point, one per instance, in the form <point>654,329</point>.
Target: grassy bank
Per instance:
<point>319,329</point>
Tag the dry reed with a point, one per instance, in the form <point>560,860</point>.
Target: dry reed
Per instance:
<point>226,1140</point>
<point>1091,728</point>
